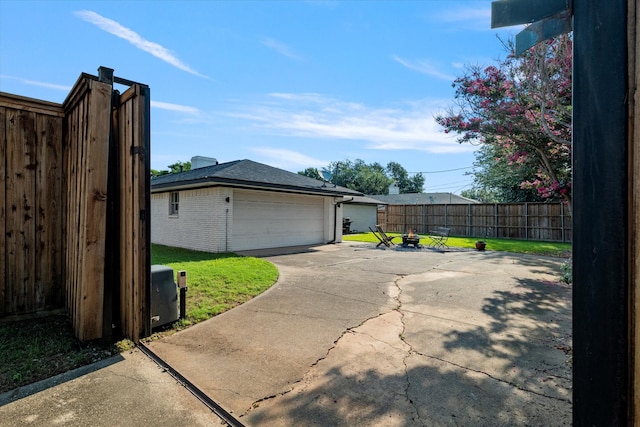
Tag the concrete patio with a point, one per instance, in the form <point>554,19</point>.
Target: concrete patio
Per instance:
<point>353,335</point>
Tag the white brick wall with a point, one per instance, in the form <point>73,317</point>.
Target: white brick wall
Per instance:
<point>203,217</point>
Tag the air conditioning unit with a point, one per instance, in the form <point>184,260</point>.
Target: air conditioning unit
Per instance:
<point>165,307</point>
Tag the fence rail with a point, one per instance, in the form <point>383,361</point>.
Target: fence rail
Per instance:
<point>523,221</point>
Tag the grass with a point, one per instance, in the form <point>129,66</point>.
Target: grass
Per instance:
<point>39,348</point>
<point>554,249</point>
<point>34,349</point>
<point>216,282</point>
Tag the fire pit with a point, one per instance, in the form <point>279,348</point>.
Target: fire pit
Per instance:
<point>410,239</point>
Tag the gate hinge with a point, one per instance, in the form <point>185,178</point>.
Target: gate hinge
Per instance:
<point>137,149</point>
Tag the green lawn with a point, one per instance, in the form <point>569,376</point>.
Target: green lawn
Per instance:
<point>216,282</point>
<point>519,246</point>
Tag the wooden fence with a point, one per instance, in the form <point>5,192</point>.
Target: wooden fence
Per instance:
<point>525,221</point>
<point>31,215</point>
<point>74,191</point>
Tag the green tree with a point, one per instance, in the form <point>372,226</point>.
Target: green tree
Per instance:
<point>400,175</point>
<point>499,180</point>
<point>370,178</point>
<point>176,167</point>
<point>481,195</point>
<point>156,172</point>
<point>359,176</point>
<point>311,173</point>
<point>179,167</point>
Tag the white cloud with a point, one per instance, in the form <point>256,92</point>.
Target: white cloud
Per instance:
<point>473,18</point>
<point>409,126</point>
<point>118,30</point>
<point>424,67</point>
<point>174,107</point>
<point>279,47</point>
<point>37,83</point>
<point>288,159</point>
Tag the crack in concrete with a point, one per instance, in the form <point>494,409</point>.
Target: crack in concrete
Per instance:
<point>407,387</point>
<point>349,330</point>
<point>397,298</point>
<point>510,383</point>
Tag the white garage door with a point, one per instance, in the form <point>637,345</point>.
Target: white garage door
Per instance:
<point>270,220</point>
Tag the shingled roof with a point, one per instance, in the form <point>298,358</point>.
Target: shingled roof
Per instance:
<point>247,174</point>
<point>423,199</point>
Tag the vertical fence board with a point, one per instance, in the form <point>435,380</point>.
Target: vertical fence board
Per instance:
<point>48,215</point>
<point>137,155</point>
<point>4,283</point>
<point>77,222</point>
<point>127,295</point>
<point>20,222</point>
<point>95,210</point>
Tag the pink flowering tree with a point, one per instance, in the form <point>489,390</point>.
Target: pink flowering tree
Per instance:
<point>522,107</point>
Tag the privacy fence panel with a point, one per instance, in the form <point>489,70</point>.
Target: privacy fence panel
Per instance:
<point>88,111</point>
<point>30,217</point>
<point>74,195</point>
<point>524,221</point>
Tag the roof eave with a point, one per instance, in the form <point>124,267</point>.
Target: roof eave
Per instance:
<point>211,182</point>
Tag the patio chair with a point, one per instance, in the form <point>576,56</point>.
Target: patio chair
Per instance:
<point>438,237</point>
<point>382,236</point>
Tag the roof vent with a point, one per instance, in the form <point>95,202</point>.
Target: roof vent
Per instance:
<point>202,162</point>
<point>393,188</point>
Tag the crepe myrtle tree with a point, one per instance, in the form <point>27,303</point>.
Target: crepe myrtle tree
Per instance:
<point>521,106</point>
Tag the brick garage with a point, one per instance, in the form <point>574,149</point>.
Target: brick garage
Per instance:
<point>244,205</point>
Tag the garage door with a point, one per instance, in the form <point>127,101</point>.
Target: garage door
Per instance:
<point>268,220</point>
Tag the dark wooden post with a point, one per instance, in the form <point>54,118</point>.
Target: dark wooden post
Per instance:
<point>601,375</point>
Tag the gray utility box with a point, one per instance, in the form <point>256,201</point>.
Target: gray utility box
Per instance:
<point>164,296</point>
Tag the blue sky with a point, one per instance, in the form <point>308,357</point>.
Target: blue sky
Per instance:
<point>293,84</point>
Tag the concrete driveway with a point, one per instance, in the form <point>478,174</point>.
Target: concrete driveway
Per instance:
<point>354,335</point>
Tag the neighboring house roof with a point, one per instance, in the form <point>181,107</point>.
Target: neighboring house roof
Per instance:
<point>364,200</point>
<point>247,174</point>
<point>424,199</point>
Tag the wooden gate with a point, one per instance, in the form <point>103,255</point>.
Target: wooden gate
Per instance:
<point>132,218</point>
<point>107,232</point>
<point>74,195</point>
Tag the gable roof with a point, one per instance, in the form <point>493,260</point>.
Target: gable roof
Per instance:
<point>424,199</point>
<point>247,174</point>
<point>364,200</point>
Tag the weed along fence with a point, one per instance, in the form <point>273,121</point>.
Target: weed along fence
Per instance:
<point>74,192</point>
<point>524,221</point>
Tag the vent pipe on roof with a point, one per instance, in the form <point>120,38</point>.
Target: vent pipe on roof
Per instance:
<point>201,162</point>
